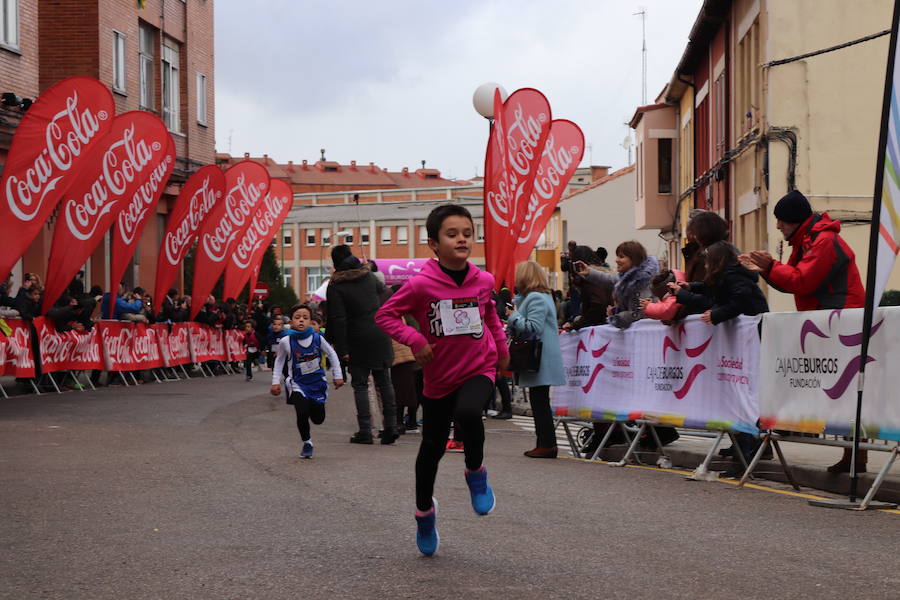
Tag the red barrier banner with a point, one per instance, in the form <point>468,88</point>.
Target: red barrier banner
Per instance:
<point>51,145</point>
<point>180,344</point>
<point>119,167</point>
<point>129,346</point>
<point>134,215</point>
<point>246,185</point>
<point>234,344</point>
<point>197,199</point>
<point>251,247</point>
<point>562,154</point>
<point>67,350</point>
<point>16,355</point>
<point>207,343</point>
<point>517,140</point>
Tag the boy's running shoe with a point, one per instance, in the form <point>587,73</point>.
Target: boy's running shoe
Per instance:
<point>427,538</point>
<point>454,446</point>
<point>483,500</point>
<point>307,450</point>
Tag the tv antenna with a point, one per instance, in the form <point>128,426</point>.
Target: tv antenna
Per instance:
<point>643,14</point>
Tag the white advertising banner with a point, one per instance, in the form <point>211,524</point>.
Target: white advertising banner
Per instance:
<point>809,371</point>
<point>691,374</point>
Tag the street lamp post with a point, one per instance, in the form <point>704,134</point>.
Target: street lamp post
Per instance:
<point>326,241</point>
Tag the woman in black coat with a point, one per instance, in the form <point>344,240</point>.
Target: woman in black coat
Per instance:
<point>354,296</point>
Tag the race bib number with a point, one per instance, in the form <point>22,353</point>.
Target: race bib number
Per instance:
<point>460,316</point>
<point>309,366</point>
<point>251,349</point>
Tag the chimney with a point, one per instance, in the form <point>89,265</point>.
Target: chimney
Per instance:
<point>265,159</point>
<point>305,165</point>
<point>246,156</point>
<point>352,165</point>
<point>290,166</point>
<point>598,172</point>
<point>372,168</point>
<point>405,171</point>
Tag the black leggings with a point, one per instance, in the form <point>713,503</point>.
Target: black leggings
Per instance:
<point>463,407</point>
<point>307,410</point>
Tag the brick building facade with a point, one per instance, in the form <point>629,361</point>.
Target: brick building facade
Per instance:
<point>157,58</point>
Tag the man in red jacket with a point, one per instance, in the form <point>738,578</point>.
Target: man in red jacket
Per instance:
<point>821,272</point>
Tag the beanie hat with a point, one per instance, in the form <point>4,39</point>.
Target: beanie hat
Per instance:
<point>793,208</point>
<point>339,253</point>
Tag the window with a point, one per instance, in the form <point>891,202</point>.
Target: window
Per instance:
<point>310,237</point>
<point>314,278</point>
<point>479,232</point>
<point>326,236</point>
<point>146,57</point>
<point>288,238</point>
<point>348,239</point>
<point>664,165</point>
<point>201,98</point>
<point>423,234</point>
<point>385,235</point>
<point>118,61</point>
<point>402,237</point>
<point>288,278</point>
<point>9,23</point>
<point>171,98</point>
<point>364,236</point>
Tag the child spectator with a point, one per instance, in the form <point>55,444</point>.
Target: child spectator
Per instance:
<point>275,333</point>
<point>666,308</point>
<point>729,289</point>
<point>251,347</point>
<point>461,345</point>
<point>302,350</point>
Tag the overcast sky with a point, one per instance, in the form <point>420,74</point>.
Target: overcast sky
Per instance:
<point>392,82</point>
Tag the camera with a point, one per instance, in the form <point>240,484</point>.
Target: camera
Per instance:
<point>565,263</point>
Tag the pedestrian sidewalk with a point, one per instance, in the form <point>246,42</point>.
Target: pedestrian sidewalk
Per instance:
<point>809,463</point>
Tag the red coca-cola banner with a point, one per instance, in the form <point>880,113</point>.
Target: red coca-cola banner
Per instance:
<point>207,343</point>
<point>254,276</point>
<point>234,345</point>
<point>16,355</point>
<point>134,215</point>
<point>518,136</point>
<point>246,184</point>
<point>67,350</point>
<point>197,199</point>
<point>129,346</point>
<point>561,155</point>
<point>250,249</point>
<point>180,343</point>
<point>117,168</point>
<point>50,146</point>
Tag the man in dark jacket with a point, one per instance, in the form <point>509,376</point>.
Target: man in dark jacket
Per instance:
<point>821,272</point>
<point>353,299</point>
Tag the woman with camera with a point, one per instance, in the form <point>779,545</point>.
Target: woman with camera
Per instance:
<point>533,328</point>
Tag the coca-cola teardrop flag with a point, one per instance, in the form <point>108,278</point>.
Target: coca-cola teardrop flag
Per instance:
<point>50,146</point>
<point>196,201</point>
<point>520,129</point>
<point>496,197</point>
<point>560,157</point>
<point>246,184</point>
<point>114,171</point>
<point>250,249</point>
<point>130,222</point>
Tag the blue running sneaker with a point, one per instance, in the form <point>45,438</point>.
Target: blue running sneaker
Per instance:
<point>427,538</point>
<point>307,450</point>
<point>483,500</point>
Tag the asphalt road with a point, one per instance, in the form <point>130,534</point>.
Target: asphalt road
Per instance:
<point>195,490</point>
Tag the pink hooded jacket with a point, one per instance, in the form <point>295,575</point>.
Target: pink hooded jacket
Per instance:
<point>456,357</point>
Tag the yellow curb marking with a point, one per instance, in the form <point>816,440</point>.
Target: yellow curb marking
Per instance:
<point>752,486</point>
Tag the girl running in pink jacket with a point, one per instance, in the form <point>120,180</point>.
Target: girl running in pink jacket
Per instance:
<point>460,348</point>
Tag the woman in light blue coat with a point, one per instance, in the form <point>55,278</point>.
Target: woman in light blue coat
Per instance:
<point>534,316</point>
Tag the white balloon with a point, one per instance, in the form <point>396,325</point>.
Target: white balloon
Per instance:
<point>483,98</point>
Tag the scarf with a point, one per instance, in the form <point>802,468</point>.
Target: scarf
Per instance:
<point>632,281</point>
<point>300,334</point>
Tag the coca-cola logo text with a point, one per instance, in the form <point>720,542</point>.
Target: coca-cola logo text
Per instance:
<point>65,138</point>
<point>177,241</point>
<point>141,201</point>
<point>261,228</point>
<point>240,202</point>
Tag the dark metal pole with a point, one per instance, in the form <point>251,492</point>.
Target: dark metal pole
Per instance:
<point>869,310</point>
